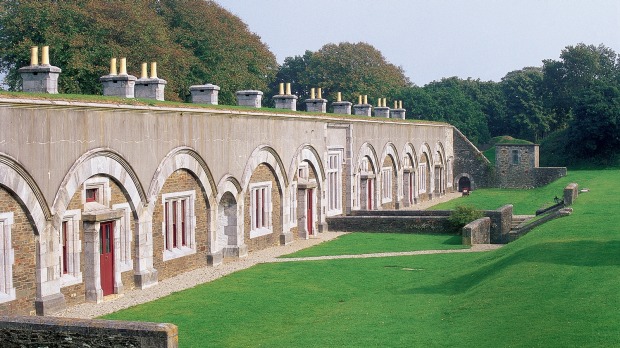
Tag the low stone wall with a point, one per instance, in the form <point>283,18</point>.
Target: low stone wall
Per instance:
<point>547,175</point>
<point>477,232</point>
<point>391,224</point>
<point>570,193</point>
<point>17,331</point>
<point>401,213</point>
<point>530,226</point>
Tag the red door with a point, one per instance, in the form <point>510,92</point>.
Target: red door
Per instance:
<point>309,212</point>
<point>369,194</point>
<point>106,258</point>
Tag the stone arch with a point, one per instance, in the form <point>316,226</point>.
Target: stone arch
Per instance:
<point>409,176</point>
<point>472,183</point>
<point>182,158</point>
<point>100,161</point>
<point>266,155</point>
<point>305,198</point>
<point>425,179</point>
<point>389,150</point>
<point>15,178</point>
<point>230,218</point>
<point>185,158</point>
<point>365,183</point>
<point>439,169</point>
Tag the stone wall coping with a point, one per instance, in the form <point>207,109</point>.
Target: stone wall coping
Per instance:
<point>207,111</point>
<point>107,78</point>
<point>208,86</point>
<point>249,92</point>
<point>39,69</point>
<point>144,81</point>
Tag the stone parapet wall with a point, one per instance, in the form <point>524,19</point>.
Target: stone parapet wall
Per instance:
<point>391,224</point>
<point>547,175</point>
<point>501,221</point>
<point>477,232</point>
<point>56,332</point>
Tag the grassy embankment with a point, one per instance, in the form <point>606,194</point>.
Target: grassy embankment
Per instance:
<point>558,286</point>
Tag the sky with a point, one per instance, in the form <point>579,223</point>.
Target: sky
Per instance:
<point>432,39</point>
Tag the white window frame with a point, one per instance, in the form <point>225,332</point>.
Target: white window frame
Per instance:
<point>422,173</point>
<point>293,205</point>
<point>303,171</point>
<point>74,248</point>
<point>334,181</point>
<point>125,236</point>
<point>386,184</point>
<point>171,252</point>
<point>261,224</point>
<point>102,185</point>
<point>7,258</point>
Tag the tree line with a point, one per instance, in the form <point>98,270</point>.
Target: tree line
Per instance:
<point>572,103</point>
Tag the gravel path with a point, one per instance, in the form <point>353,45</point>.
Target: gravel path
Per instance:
<point>203,275</point>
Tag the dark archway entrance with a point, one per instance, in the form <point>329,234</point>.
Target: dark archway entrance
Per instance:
<point>464,183</point>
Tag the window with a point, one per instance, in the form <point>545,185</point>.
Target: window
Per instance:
<point>386,184</point>
<point>97,189</point>
<point>126,237</point>
<point>70,248</point>
<point>91,195</point>
<point>260,209</point>
<point>179,224</point>
<point>515,156</point>
<point>334,182</point>
<point>7,258</point>
<point>293,205</point>
<point>303,171</point>
<point>422,177</point>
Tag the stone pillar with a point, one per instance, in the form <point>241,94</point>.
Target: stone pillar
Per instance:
<point>49,299</point>
<point>205,94</point>
<point>92,270</point>
<point>40,78</point>
<point>249,98</point>
<point>118,85</point>
<point>144,273</point>
<point>150,87</point>
<point>285,100</point>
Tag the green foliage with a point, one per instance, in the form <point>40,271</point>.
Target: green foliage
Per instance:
<point>561,279</point>
<point>367,243</point>
<point>194,42</point>
<point>462,215</point>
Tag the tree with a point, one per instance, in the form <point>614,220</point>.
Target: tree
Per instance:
<point>193,41</point>
<point>526,114</point>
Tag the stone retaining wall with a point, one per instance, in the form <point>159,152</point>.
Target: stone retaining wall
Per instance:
<point>477,232</point>
<point>17,331</point>
<point>391,224</point>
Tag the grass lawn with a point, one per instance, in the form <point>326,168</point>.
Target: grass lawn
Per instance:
<point>558,286</point>
<point>367,243</point>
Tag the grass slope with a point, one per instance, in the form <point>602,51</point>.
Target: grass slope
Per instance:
<point>558,286</point>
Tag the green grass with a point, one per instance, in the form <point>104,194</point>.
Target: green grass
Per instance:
<point>525,202</point>
<point>558,286</point>
<point>367,243</point>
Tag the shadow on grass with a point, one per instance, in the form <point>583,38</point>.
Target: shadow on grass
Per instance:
<point>586,253</point>
<point>454,240</point>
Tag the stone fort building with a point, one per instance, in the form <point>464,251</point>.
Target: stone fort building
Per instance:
<point>99,198</point>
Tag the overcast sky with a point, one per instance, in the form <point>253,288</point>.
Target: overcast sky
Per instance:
<point>431,39</point>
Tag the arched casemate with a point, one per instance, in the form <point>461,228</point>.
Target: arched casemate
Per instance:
<point>409,169</point>
<point>266,199</point>
<point>364,186</point>
<point>98,223</point>
<point>391,190</point>
<point>425,173</point>
<point>182,204</point>
<point>307,185</point>
<point>439,170</point>
<point>24,216</point>
<point>230,227</point>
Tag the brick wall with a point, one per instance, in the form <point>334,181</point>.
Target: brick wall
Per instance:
<point>180,181</point>
<point>23,243</point>
<point>261,174</point>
